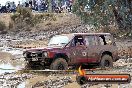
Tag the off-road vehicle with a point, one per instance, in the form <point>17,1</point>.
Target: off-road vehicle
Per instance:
<point>75,49</point>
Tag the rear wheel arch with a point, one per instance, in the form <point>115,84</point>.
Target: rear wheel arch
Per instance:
<point>106,53</point>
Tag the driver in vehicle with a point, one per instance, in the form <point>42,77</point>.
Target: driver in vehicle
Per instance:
<point>79,41</point>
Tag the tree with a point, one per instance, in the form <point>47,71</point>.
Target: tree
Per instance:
<point>50,5</point>
<point>104,13</point>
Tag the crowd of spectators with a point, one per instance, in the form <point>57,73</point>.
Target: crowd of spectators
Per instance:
<point>39,5</point>
<point>10,7</point>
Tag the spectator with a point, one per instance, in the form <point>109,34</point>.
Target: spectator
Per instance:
<point>3,9</point>
<point>43,6</point>
<point>8,7</point>
<point>26,4</point>
<point>64,7</point>
<point>34,5</point>
<point>13,7</point>
<point>30,3</point>
<point>0,8</point>
<point>46,6</point>
<point>39,5</point>
<point>18,6</point>
<point>54,5</point>
<point>70,7</point>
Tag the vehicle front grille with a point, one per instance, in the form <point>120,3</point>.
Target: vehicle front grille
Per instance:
<point>36,54</point>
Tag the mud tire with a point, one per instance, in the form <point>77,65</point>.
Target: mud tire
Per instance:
<point>59,64</point>
<point>106,61</point>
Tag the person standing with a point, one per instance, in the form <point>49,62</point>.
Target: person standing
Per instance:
<point>30,3</point>
<point>13,7</point>
<point>34,5</point>
<point>0,8</point>
<point>8,7</point>
<point>26,4</point>
<point>39,5</point>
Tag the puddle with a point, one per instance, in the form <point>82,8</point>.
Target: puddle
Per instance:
<point>9,64</point>
<point>8,67</point>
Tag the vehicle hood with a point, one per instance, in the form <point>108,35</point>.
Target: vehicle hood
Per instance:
<point>44,49</point>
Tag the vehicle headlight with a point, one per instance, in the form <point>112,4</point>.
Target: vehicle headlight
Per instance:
<point>46,54</point>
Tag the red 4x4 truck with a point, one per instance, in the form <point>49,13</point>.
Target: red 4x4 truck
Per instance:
<point>75,49</point>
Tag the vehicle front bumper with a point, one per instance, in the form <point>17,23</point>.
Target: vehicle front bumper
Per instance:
<point>37,57</point>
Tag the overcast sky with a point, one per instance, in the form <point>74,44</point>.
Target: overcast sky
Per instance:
<point>16,1</point>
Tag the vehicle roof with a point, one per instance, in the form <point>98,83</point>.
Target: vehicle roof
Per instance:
<point>73,34</point>
<point>91,33</point>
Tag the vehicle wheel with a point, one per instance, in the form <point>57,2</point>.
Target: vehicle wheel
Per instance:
<point>59,64</point>
<point>106,61</point>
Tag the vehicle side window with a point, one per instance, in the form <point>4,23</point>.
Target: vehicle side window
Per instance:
<point>78,40</point>
<point>91,40</point>
<point>108,39</point>
<point>105,39</point>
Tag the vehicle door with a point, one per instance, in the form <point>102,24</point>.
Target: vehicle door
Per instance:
<point>77,50</point>
<point>106,44</point>
<point>92,48</point>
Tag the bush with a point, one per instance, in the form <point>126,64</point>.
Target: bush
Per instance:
<point>24,19</point>
<point>22,14</point>
<point>10,25</point>
<point>2,26</point>
<point>14,16</point>
<point>38,18</point>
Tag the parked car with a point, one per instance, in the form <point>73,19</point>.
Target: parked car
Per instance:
<point>75,49</point>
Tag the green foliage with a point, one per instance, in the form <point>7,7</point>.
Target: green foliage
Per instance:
<point>94,14</point>
<point>22,15</point>
<point>24,18</point>
<point>104,13</point>
<point>25,12</point>
<point>14,16</point>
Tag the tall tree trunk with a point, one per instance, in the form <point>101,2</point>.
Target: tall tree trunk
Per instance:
<point>50,5</point>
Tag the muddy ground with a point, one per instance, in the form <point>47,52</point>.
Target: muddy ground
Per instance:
<point>14,75</point>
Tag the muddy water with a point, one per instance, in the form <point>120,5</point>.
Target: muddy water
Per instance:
<point>9,74</point>
<point>11,66</point>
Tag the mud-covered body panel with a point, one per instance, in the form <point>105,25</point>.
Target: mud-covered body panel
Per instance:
<point>82,54</point>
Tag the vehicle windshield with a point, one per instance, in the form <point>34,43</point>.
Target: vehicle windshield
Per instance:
<point>58,40</point>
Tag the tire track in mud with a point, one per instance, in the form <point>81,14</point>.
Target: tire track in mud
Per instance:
<point>8,80</point>
<point>12,80</point>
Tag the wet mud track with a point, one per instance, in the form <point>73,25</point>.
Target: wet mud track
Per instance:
<point>12,80</point>
<point>13,74</point>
